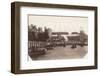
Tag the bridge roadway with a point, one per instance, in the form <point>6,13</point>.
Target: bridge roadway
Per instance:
<point>64,53</point>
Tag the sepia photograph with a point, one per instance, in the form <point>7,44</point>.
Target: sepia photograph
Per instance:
<point>52,37</point>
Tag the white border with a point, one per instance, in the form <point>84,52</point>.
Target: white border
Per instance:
<point>87,60</point>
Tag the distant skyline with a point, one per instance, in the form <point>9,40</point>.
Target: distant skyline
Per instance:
<point>60,23</point>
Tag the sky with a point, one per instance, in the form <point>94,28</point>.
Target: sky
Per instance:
<point>60,23</point>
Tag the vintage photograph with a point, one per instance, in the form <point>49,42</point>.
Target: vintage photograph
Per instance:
<point>57,37</point>
<point>53,37</point>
